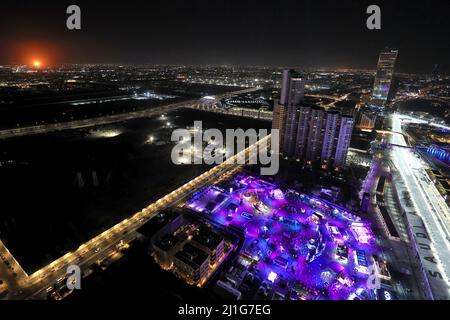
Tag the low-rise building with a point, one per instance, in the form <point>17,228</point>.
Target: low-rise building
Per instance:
<point>210,242</point>
<point>165,248</point>
<point>191,263</point>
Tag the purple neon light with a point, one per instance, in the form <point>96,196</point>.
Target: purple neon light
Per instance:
<point>296,238</point>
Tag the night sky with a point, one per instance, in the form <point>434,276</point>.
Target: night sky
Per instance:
<point>305,34</point>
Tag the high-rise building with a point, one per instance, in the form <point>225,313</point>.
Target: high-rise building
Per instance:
<point>383,77</point>
<point>292,94</point>
<point>301,141</point>
<point>343,142</point>
<point>293,88</point>
<point>332,122</point>
<point>310,133</point>
<point>278,120</point>
<point>315,136</point>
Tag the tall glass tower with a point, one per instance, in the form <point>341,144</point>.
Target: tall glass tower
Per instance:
<point>383,77</point>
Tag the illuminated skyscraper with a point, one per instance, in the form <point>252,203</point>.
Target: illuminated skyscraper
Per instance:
<point>292,94</point>
<point>278,120</point>
<point>343,142</point>
<point>383,77</point>
<point>315,135</point>
<point>301,142</point>
<point>330,135</point>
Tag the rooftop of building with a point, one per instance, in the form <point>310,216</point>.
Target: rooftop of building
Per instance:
<point>192,256</point>
<point>167,242</point>
<point>208,238</point>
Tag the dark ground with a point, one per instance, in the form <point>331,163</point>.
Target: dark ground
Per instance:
<point>45,213</point>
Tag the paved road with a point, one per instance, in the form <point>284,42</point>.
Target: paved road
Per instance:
<point>11,273</point>
<point>402,264</point>
<point>76,124</point>
<point>429,204</point>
